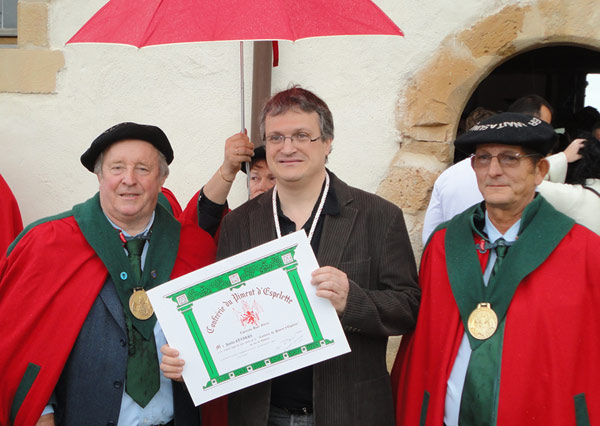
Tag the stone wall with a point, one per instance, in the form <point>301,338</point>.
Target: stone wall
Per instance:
<point>431,106</point>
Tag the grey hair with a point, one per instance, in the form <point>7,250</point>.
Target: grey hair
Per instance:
<point>298,98</point>
<point>163,166</point>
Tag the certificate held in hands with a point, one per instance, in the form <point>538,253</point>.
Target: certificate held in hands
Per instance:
<point>248,318</point>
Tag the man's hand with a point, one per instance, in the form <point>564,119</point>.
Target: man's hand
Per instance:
<point>46,420</point>
<point>238,149</point>
<point>171,365</point>
<point>332,284</point>
<point>572,151</point>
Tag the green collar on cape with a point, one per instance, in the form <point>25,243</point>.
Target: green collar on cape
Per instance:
<point>542,228</point>
<point>105,241</point>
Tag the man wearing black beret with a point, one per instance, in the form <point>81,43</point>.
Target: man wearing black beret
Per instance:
<point>83,342</point>
<point>508,325</point>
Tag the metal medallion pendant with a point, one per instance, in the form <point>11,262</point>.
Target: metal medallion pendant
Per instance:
<point>483,322</point>
<point>139,304</point>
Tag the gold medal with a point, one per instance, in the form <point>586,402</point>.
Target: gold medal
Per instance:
<point>139,304</point>
<point>483,321</point>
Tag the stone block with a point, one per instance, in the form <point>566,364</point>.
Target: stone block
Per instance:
<point>408,187</point>
<point>495,34</point>
<point>33,24</point>
<point>29,71</point>
<point>440,153</point>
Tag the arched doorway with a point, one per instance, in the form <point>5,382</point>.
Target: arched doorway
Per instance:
<point>557,73</point>
<point>430,108</point>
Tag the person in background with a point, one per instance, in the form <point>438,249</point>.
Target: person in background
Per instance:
<point>210,204</point>
<point>533,105</point>
<point>261,178</point>
<point>456,188</point>
<point>579,197</point>
<point>596,130</point>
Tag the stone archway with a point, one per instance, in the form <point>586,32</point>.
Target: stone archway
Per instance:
<point>428,115</point>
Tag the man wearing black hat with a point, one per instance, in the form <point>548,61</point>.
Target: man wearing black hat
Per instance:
<point>506,333</point>
<point>83,338</point>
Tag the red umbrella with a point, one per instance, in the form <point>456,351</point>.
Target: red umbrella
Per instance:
<point>153,22</point>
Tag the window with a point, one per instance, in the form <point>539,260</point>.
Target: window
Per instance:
<point>8,22</point>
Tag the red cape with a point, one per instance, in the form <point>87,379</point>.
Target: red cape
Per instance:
<point>175,206</point>
<point>550,351</point>
<point>10,217</point>
<point>43,303</point>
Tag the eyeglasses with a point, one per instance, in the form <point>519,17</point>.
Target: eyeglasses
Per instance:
<point>300,138</point>
<point>505,159</point>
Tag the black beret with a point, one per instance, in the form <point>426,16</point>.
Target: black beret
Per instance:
<point>509,128</point>
<point>259,154</point>
<point>124,131</point>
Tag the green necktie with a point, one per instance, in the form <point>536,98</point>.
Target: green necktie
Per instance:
<point>135,247</point>
<point>143,380</point>
<point>482,382</point>
<point>501,249</point>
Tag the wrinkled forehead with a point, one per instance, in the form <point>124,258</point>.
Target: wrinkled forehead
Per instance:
<point>131,150</point>
<point>496,148</point>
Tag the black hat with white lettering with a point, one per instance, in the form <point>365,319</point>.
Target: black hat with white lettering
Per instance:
<point>509,128</point>
<point>125,131</point>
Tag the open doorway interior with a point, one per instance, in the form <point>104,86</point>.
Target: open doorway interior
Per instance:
<point>568,77</point>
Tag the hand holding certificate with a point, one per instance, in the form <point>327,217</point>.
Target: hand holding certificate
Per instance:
<point>249,318</point>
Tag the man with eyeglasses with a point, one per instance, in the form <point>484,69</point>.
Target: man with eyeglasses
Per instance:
<point>508,325</point>
<point>368,273</point>
<point>455,189</point>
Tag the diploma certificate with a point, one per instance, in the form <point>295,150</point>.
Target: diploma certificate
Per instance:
<point>248,318</point>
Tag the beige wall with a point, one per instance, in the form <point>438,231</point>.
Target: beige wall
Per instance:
<point>396,113</point>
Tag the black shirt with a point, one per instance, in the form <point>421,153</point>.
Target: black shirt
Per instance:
<point>209,213</point>
<point>295,390</point>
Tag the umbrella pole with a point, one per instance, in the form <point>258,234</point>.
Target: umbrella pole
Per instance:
<point>242,85</point>
<point>246,165</point>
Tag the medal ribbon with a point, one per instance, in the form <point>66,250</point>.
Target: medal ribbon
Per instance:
<point>542,229</point>
<point>480,390</point>
<point>317,214</point>
<point>143,379</point>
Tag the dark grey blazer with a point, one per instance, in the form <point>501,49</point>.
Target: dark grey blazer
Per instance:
<point>90,388</point>
<point>369,242</point>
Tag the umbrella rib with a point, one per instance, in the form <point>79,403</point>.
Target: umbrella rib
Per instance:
<point>150,28</point>
<point>287,14</point>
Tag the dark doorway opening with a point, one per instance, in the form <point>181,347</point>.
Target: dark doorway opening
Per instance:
<point>557,73</point>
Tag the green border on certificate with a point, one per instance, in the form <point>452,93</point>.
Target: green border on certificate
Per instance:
<point>235,279</point>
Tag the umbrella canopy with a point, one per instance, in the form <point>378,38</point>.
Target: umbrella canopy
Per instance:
<point>153,22</point>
